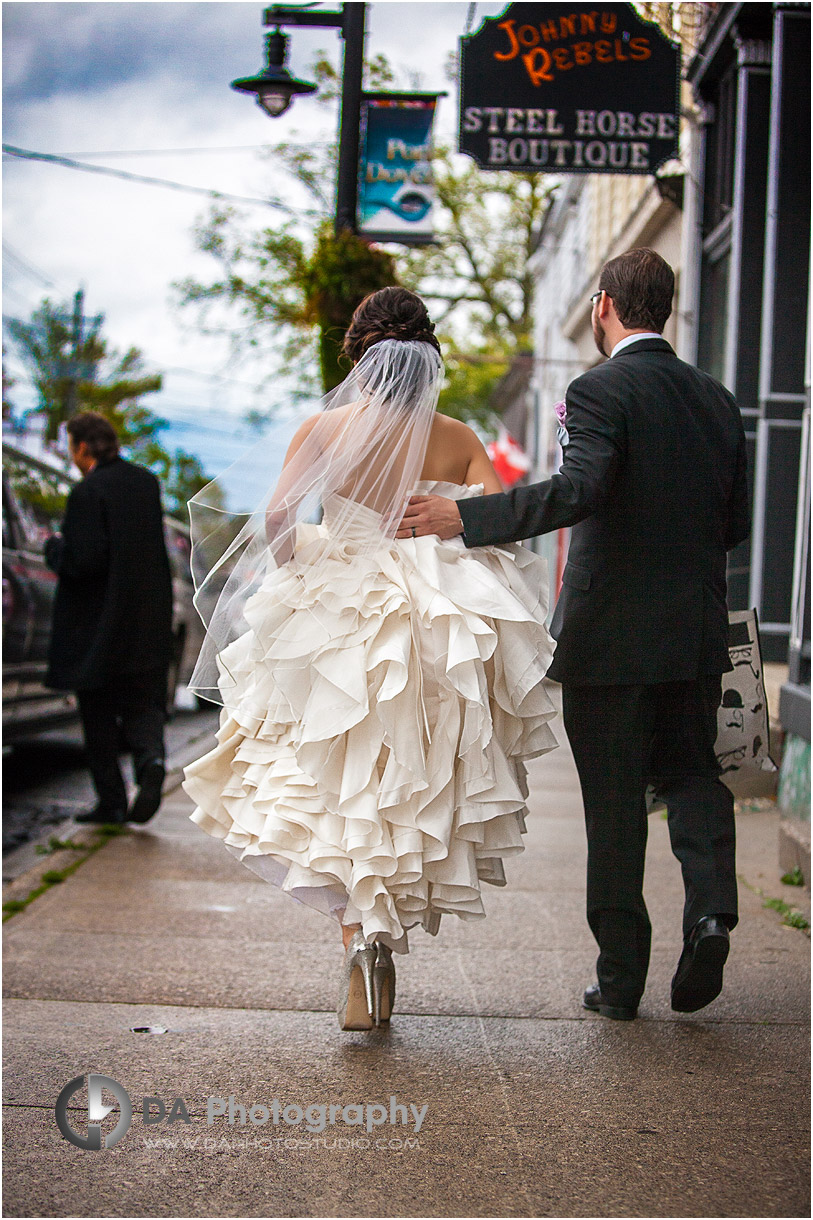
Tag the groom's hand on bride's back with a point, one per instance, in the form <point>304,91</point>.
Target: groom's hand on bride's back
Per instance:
<point>430,515</point>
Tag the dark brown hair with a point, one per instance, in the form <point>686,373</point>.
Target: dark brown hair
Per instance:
<point>641,285</point>
<point>390,313</point>
<point>97,432</point>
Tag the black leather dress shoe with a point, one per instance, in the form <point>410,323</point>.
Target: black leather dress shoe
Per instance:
<point>115,817</point>
<point>148,800</point>
<point>699,976</point>
<point>592,1000</point>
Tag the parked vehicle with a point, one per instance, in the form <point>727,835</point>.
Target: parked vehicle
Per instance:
<point>187,626</point>
<point>29,587</point>
<point>34,494</point>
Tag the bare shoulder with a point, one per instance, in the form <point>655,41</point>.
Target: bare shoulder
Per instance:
<point>301,435</point>
<point>455,432</point>
<point>308,425</point>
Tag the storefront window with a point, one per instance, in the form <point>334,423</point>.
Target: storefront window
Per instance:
<point>714,312</point>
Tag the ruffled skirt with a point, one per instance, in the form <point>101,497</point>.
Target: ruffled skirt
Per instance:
<point>371,759</point>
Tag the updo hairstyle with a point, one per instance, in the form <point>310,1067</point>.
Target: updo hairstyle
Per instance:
<point>389,313</point>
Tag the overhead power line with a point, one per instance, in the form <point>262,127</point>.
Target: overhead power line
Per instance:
<point>160,152</point>
<point>20,264</point>
<point>258,387</point>
<point>10,291</point>
<point>250,385</point>
<point>26,154</point>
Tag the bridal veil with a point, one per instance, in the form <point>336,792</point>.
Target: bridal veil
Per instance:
<point>359,457</point>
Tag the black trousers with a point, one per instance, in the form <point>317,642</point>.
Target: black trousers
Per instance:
<point>624,738</point>
<point>131,712</point>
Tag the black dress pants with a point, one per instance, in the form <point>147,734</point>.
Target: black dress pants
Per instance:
<point>624,738</point>
<point>130,711</point>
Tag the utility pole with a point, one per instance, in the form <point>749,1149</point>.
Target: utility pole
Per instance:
<point>71,398</point>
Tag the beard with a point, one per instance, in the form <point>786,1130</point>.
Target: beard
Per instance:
<point>599,334</point>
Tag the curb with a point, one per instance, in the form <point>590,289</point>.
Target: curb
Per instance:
<point>88,840</point>
<point>54,868</point>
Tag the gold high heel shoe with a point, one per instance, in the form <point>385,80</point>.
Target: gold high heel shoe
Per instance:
<point>383,983</point>
<point>357,1003</point>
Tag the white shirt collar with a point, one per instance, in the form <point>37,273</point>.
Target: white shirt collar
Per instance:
<point>647,334</point>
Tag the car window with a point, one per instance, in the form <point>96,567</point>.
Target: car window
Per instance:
<point>180,552</point>
<point>8,529</point>
<point>39,496</point>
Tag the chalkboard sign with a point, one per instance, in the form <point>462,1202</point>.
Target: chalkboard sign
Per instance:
<point>569,89</point>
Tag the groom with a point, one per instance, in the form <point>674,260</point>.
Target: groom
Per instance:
<point>653,480</point>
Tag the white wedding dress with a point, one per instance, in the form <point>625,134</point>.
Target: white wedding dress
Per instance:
<point>371,764</point>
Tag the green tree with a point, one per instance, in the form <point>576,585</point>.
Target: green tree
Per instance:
<point>75,369</point>
<point>477,271</point>
<point>475,277</point>
<point>287,291</point>
<point>43,492</point>
<point>8,382</point>
<point>181,475</point>
<point>293,292</point>
<point>469,382</point>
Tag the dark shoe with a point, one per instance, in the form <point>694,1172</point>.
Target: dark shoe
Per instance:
<point>699,977</point>
<point>148,800</point>
<point>114,817</point>
<point>592,1000</point>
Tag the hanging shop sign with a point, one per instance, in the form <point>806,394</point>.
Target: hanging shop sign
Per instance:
<point>395,169</point>
<point>569,89</point>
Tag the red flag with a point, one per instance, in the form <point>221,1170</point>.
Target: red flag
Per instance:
<point>508,457</point>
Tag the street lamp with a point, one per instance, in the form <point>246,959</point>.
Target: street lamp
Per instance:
<point>275,88</point>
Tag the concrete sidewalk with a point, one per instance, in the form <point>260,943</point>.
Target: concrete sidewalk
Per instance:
<point>535,1106</point>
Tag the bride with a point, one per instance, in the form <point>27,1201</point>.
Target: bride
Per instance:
<point>380,696</point>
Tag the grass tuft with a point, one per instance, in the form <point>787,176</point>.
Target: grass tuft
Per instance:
<point>53,876</point>
<point>791,918</point>
<point>55,844</point>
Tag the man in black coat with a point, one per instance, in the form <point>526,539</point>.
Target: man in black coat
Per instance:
<point>111,637</point>
<point>653,481</point>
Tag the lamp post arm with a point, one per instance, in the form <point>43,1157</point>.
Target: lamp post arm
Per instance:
<point>279,15</point>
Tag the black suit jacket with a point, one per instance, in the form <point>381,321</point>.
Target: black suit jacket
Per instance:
<point>113,606</point>
<point>654,483</point>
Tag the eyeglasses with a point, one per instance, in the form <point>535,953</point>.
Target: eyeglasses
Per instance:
<point>596,296</point>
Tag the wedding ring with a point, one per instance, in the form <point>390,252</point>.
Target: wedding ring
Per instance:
<point>413,531</point>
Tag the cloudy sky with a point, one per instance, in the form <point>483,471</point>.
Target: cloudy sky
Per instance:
<point>96,81</point>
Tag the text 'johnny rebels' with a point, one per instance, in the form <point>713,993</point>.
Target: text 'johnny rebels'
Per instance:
<point>584,90</point>
<point>542,62</point>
